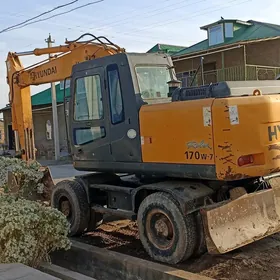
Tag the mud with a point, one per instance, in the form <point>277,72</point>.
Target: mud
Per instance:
<point>260,260</point>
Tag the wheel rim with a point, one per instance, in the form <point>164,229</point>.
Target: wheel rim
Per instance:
<point>160,229</point>
<point>65,208</point>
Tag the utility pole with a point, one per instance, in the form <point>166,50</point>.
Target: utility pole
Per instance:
<point>49,41</point>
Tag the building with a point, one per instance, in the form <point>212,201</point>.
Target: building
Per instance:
<point>234,50</point>
<point>169,49</point>
<point>2,133</point>
<point>43,122</point>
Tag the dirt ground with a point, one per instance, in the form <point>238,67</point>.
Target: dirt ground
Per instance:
<point>257,261</point>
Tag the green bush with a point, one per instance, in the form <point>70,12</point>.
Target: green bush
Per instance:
<point>29,231</point>
<point>28,176</point>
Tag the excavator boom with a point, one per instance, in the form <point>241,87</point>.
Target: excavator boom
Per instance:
<point>56,69</point>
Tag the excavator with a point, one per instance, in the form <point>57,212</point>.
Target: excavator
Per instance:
<point>196,167</point>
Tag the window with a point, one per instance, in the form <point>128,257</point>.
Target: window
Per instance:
<point>87,135</point>
<point>183,77</point>
<point>228,29</point>
<point>215,34</point>
<point>88,99</point>
<point>116,102</point>
<point>67,84</point>
<point>153,81</point>
<point>187,78</point>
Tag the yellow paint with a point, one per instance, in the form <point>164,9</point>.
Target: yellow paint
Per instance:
<point>167,128</point>
<point>59,68</point>
<point>249,137</point>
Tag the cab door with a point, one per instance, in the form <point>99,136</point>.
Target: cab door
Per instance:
<point>124,118</point>
<point>90,134</point>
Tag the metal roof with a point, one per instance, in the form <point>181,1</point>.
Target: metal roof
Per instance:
<point>254,31</point>
<point>169,49</point>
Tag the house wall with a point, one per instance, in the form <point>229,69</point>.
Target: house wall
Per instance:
<point>232,58</point>
<point>45,147</point>
<point>7,117</point>
<point>266,53</point>
<point>2,133</point>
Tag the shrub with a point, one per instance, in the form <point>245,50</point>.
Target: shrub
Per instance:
<point>29,231</point>
<point>28,176</point>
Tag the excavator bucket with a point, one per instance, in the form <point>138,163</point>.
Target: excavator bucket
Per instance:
<point>47,182</point>
<point>13,184</point>
<point>242,221</point>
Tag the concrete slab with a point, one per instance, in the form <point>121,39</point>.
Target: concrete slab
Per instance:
<point>22,272</point>
<point>104,264</point>
<point>63,273</point>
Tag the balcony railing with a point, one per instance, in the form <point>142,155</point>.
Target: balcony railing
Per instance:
<point>237,73</point>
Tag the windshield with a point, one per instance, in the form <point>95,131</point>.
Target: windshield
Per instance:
<point>152,81</point>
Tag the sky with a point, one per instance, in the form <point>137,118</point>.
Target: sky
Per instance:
<point>134,25</point>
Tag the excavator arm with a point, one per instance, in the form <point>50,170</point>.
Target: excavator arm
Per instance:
<point>58,68</point>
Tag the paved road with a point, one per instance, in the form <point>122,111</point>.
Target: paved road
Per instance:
<point>22,272</point>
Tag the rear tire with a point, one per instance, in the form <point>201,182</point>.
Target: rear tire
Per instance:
<point>70,198</point>
<point>166,234</point>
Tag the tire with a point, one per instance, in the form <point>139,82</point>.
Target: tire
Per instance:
<point>164,207</point>
<point>200,247</point>
<point>75,196</point>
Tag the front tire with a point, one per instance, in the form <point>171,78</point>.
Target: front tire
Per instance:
<point>70,198</point>
<point>166,234</point>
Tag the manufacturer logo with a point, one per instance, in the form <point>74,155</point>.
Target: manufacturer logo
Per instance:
<point>273,132</point>
<point>198,145</point>
<point>43,73</point>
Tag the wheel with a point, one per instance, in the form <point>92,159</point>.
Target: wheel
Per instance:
<point>166,234</point>
<point>70,198</point>
<point>200,247</point>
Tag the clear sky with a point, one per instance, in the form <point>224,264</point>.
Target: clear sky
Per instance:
<point>134,25</point>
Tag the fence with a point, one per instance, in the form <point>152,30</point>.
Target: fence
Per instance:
<point>237,73</point>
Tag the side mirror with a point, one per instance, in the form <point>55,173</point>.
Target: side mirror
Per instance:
<point>173,84</point>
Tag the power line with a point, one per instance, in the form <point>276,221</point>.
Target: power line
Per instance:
<point>193,15</point>
<point>56,15</point>
<point>44,13</point>
<point>122,21</point>
<point>125,13</point>
<point>113,24</point>
<point>169,10</point>
<point>78,27</point>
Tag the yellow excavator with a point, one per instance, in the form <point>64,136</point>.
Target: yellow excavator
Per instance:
<point>196,167</point>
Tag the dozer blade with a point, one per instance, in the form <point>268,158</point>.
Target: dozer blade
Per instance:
<point>242,221</point>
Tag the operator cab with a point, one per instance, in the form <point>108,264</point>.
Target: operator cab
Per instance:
<point>106,96</point>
